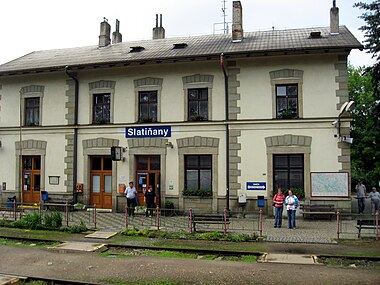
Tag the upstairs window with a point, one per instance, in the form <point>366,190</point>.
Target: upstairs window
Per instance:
<point>101,108</point>
<point>287,101</point>
<point>198,104</point>
<point>32,111</point>
<point>147,106</point>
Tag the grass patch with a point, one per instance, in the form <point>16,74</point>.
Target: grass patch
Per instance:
<point>36,283</point>
<point>362,254</point>
<point>116,281</point>
<point>343,262</point>
<point>243,258</point>
<point>38,244</point>
<point>208,236</point>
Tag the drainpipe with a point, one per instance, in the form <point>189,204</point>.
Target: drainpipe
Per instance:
<point>75,162</point>
<point>222,64</point>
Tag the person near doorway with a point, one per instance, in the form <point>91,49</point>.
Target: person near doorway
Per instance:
<point>375,198</point>
<point>291,202</point>
<point>150,201</point>
<point>130,194</point>
<point>361,194</point>
<point>278,203</point>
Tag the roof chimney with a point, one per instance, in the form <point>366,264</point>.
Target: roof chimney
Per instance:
<point>105,31</point>
<point>116,36</point>
<point>237,21</point>
<point>158,31</point>
<point>334,19</point>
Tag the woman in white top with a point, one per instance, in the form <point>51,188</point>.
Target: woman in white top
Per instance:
<point>291,202</point>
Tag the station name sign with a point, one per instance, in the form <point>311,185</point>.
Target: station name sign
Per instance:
<point>256,186</point>
<point>148,132</point>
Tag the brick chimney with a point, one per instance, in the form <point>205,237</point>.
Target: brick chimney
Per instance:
<point>158,31</point>
<point>116,35</point>
<point>237,21</point>
<point>334,19</point>
<point>105,32</point>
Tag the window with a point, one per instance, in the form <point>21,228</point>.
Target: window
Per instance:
<point>102,108</point>
<point>198,104</point>
<point>147,106</point>
<point>32,111</point>
<point>287,101</point>
<point>288,171</point>
<point>198,169</point>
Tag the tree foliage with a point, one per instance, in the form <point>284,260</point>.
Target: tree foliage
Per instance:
<point>371,31</point>
<point>365,152</point>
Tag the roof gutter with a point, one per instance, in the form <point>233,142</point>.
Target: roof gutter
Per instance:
<point>75,149</point>
<point>222,65</point>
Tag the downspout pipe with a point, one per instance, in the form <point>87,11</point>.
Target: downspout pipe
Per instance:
<point>222,65</point>
<point>76,112</point>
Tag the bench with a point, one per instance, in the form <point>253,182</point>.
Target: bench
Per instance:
<point>208,219</point>
<point>59,204</point>
<point>368,223</point>
<point>313,211</point>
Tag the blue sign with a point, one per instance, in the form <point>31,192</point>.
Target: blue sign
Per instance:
<point>256,186</point>
<point>148,132</point>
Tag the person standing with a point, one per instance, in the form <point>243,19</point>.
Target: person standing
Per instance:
<point>361,194</point>
<point>291,202</point>
<point>130,194</point>
<point>375,198</point>
<point>150,200</point>
<point>278,202</point>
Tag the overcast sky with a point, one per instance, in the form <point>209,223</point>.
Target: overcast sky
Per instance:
<point>31,25</point>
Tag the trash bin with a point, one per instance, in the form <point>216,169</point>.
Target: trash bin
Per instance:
<point>44,196</point>
<point>10,201</point>
<point>260,202</point>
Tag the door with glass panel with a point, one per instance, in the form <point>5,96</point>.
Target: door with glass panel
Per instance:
<point>101,181</point>
<point>31,182</point>
<point>148,174</point>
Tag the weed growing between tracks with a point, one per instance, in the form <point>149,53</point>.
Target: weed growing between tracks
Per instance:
<point>39,244</point>
<point>343,262</point>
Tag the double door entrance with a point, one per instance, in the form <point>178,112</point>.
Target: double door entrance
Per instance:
<point>31,182</point>
<point>148,174</point>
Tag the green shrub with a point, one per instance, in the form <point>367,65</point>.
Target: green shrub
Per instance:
<point>197,192</point>
<point>31,221</point>
<point>54,220</point>
<point>75,229</point>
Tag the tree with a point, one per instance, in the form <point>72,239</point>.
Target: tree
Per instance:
<point>364,87</point>
<point>364,153</point>
<point>372,45</point>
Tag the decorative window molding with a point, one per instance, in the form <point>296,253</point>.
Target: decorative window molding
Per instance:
<point>198,146</point>
<point>148,84</point>
<point>28,92</point>
<point>287,77</point>
<point>98,88</point>
<point>197,81</point>
<point>289,144</point>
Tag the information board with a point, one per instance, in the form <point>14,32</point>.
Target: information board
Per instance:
<point>329,184</point>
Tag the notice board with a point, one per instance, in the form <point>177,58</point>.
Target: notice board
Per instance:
<point>329,184</point>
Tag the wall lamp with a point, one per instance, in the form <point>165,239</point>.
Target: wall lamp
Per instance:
<point>169,144</point>
<point>346,107</point>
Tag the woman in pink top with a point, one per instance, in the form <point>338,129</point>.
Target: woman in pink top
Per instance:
<point>278,201</point>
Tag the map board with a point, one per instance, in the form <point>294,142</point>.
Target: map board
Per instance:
<point>329,184</point>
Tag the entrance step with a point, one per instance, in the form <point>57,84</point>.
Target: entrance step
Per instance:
<point>101,235</point>
<point>288,258</point>
<point>79,247</point>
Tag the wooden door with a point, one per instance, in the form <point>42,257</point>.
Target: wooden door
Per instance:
<point>31,173</point>
<point>101,181</point>
<point>147,173</point>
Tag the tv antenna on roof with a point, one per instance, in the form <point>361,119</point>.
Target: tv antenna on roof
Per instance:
<point>225,24</point>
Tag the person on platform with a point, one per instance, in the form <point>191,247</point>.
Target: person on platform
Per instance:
<point>150,201</point>
<point>361,195</point>
<point>278,203</point>
<point>291,202</point>
<point>375,198</point>
<point>130,194</point>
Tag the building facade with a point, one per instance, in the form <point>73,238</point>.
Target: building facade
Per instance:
<point>202,119</point>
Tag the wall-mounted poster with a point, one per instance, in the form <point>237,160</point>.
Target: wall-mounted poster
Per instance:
<point>329,184</point>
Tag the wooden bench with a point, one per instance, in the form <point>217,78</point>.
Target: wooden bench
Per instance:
<point>313,211</point>
<point>59,204</point>
<point>365,223</point>
<point>208,219</point>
